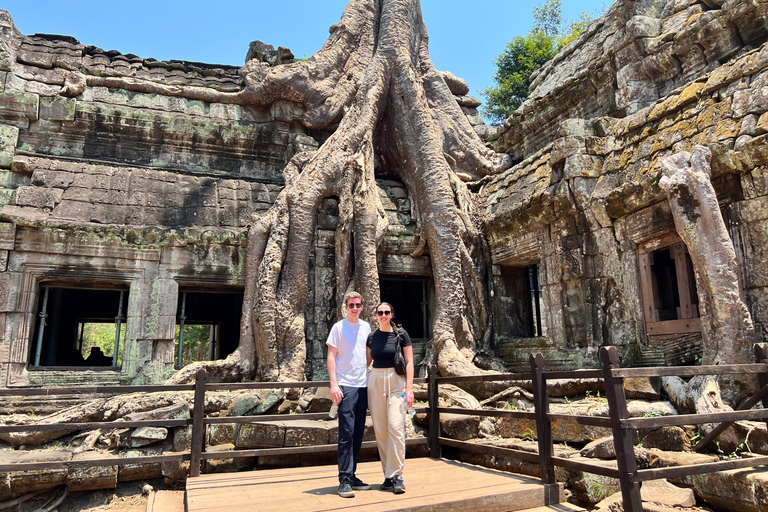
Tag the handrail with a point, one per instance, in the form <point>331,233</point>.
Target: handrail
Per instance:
<point>618,420</point>
<point>611,375</point>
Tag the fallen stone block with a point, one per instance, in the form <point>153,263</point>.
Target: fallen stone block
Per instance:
<point>602,448</point>
<point>144,436</point>
<point>227,465</point>
<point>91,478</point>
<point>175,471</point>
<point>661,491</point>
<point>141,471</point>
<point>459,426</point>
<point>267,434</point>
<point>738,490</point>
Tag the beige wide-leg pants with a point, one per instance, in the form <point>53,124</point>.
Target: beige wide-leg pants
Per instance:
<point>385,389</point>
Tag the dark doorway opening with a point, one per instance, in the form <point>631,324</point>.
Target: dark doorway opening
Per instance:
<point>207,325</point>
<point>520,302</point>
<point>79,327</point>
<point>409,297</point>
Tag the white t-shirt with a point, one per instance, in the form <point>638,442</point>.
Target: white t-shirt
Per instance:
<point>349,339</point>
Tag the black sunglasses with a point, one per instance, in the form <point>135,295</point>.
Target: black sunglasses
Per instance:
<point>383,313</point>
<point>356,305</point>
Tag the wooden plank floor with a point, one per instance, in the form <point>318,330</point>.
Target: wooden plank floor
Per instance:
<point>431,485</point>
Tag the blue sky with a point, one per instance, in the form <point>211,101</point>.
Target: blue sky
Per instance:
<point>463,39</point>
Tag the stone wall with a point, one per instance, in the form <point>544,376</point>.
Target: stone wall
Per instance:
<point>584,202</point>
<point>628,59</point>
<point>151,189</point>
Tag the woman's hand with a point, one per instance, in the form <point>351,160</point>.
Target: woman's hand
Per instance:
<point>409,397</point>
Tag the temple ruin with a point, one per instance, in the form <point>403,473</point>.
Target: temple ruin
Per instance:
<point>126,199</point>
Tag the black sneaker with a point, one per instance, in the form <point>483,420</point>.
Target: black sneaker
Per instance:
<point>359,485</point>
<point>345,490</point>
<point>399,485</point>
<point>388,485</point>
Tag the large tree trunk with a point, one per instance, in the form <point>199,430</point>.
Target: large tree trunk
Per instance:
<point>727,330</point>
<point>372,82</point>
<point>374,85</point>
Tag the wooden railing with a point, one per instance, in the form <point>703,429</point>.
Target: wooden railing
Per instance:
<point>198,421</point>
<point>619,421</point>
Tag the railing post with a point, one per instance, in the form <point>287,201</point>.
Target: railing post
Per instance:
<point>761,356</point>
<point>543,426</point>
<point>198,424</point>
<point>622,437</point>
<point>434,418</point>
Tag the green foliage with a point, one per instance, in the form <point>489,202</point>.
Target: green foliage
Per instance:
<point>196,343</point>
<point>525,54</point>
<point>102,336</point>
<point>529,435</point>
<point>653,414</point>
<point>599,491</point>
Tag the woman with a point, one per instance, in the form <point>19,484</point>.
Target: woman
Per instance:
<point>385,395</point>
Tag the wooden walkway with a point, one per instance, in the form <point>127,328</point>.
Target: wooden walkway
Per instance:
<point>431,485</point>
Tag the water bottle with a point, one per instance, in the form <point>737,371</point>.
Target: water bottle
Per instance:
<point>411,411</point>
<point>334,411</point>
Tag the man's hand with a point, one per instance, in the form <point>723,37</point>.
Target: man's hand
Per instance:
<point>337,394</point>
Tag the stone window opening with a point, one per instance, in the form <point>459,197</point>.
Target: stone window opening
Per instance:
<point>208,325</point>
<point>79,326</point>
<point>668,286</point>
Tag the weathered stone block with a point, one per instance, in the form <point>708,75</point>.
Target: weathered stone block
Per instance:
<point>73,210</point>
<point>306,433</point>
<point>456,85</point>
<point>182,438</point>
<point>91,478</point>
<point>261,435</point>
<point>643,388</point>
<point>221,434</point>
<point>52,178</point>
<point>144,436</point>
<point>57,108</point>
<point>675,439</point>
<point>39,197</point>
<point>5,486</point>
<point>561,432</point>
<point>739,490</point>
<point>9,138</point>
<point>23,482</point>
<point>286,111</point>
<point>18,105</point>
<point>459,426</point>
<point>174,472</point>
<point>227,465</point>
<point>132,472</point>
<point>599,449</point>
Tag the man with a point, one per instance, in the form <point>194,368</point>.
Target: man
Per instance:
<point>348,373</point>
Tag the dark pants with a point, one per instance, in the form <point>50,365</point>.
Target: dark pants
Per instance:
<point>351,428</point>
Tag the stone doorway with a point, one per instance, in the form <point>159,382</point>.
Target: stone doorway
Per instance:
<point>410,296</point>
